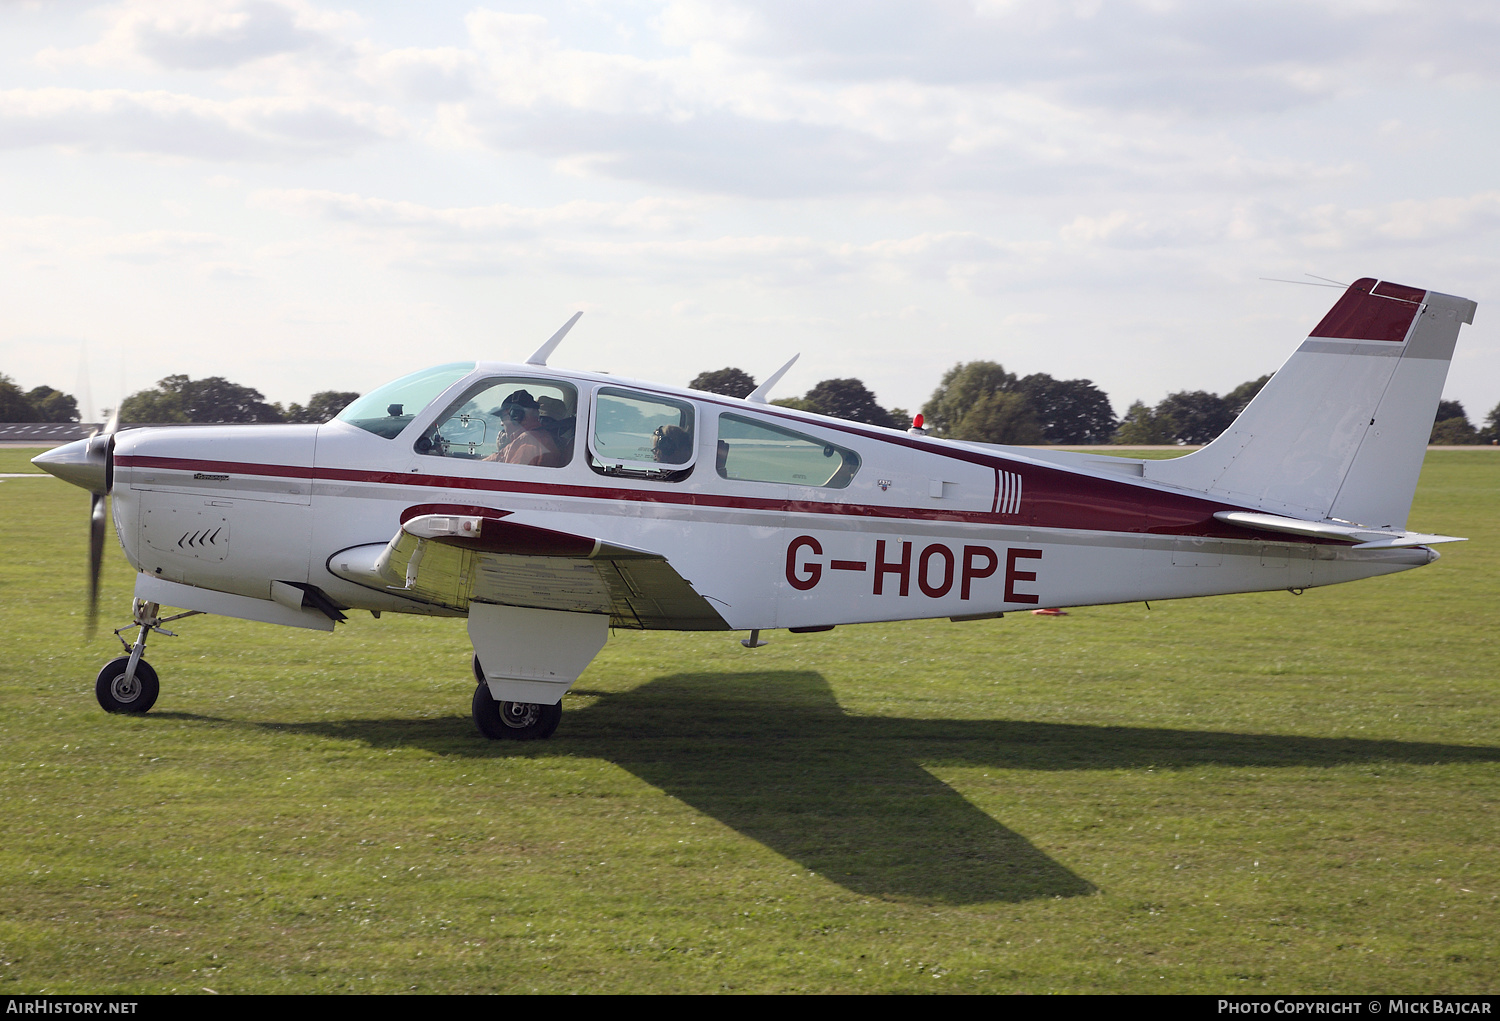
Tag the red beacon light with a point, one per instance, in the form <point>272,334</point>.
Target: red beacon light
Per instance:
<point>916,426</point>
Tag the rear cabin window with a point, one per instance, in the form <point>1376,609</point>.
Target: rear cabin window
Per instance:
<point>510,421</point>
<point>642,436</point>
<point>750,451</point>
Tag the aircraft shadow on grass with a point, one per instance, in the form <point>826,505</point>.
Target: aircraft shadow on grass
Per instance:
<point>773,756</point>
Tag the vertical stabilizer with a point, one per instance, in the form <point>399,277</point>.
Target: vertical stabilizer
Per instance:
<point>1340,431</point>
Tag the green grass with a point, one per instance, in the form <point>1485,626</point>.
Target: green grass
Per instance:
<point>1250,794</point>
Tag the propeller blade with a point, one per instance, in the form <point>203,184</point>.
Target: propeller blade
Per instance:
<point>96,557</point>
<point>88,463</point>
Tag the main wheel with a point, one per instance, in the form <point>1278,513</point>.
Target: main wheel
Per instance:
<point>513,721</point>
<point>116,696</point>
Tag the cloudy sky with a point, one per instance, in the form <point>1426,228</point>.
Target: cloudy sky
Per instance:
<point>304,196</point>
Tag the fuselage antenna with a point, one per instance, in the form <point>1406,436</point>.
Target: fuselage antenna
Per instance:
<point>764,390</point>
<point>545,351</point>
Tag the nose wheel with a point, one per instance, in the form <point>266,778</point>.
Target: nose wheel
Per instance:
<point>120,691</point>
<point>512,721</point>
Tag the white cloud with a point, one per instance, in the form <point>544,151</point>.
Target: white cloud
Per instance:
<point>1041,174</point>
<point>495,221</point>
<point>155,246</point>
<point>434,75</point>
<point>647,238</point>
<point>1410,222</point>
<point>173,124</point>
<point>1230,57</point>
<point>198,35</point>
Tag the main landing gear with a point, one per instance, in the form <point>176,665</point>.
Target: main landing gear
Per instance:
<point>128,684</point>
<point>511,721</point>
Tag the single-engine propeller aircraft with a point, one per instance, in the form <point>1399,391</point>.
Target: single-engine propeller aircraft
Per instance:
<point>547,506</point>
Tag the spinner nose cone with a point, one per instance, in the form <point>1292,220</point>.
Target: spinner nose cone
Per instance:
<point>84,463</point>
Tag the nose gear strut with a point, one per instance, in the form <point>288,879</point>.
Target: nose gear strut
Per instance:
<point>128,684</point>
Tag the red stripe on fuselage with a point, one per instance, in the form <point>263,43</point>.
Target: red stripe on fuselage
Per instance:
<point>1054,499</point>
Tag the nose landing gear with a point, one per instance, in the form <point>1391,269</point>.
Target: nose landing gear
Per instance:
<point>128,684</point>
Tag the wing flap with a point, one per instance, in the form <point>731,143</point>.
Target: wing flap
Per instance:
<point>452,559</point>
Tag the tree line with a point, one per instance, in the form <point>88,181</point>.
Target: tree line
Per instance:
<point>978,401</point>
<point>41,404</point>
<point>174,399</point>
<point>216,399</point>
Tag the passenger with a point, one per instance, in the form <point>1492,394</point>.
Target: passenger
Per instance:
<point>559,420</point>
<point>523,440</point>
<point>671,444</point>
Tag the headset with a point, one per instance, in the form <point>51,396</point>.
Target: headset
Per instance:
<point>516,405</point>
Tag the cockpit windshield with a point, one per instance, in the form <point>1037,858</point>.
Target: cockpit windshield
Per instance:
<point>387,410</point>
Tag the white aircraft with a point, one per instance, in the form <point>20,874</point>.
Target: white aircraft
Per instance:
<point>546,507</point>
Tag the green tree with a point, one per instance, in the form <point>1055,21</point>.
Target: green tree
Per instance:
<point>1197,416</point>
<point>1491,431</point>
<point>322,407</point>
<point>1450,409</point>
<point>14,407</point>
<point>1142,428</point>
<point>999,418</point>
<point>1453,431</point>
<point>1451,425</point>
<point>850,400</point>
<point>730,382</point>
<point>163,403</point>
<point>960,391</point>
<point>1069,410</point>
<point>213,399</point>
<point>1238,398</point>
<point>53,405</point>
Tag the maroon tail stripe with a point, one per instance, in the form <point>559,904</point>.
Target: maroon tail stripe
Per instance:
<point>1368,312</point>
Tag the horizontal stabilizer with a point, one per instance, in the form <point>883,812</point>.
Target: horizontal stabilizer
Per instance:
<point>1364,538</point>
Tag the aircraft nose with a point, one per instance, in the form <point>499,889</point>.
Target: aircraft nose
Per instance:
<point>77,462</point>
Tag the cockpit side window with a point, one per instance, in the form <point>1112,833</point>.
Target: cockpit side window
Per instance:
<point>751,451</point>
<point>510,420</point>
<point>642,435</point>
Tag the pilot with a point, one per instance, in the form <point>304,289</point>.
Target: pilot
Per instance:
<point>671,444</point>
<point>524,441</point>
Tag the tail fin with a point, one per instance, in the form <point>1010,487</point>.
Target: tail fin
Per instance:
<point>1340,431</point>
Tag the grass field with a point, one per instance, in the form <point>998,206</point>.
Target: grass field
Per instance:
<point>1249,794</point>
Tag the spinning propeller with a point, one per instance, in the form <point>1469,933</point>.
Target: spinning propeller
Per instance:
<point>89,464</point>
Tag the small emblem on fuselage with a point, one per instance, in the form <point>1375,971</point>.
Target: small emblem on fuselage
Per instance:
<point>884,484</point>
